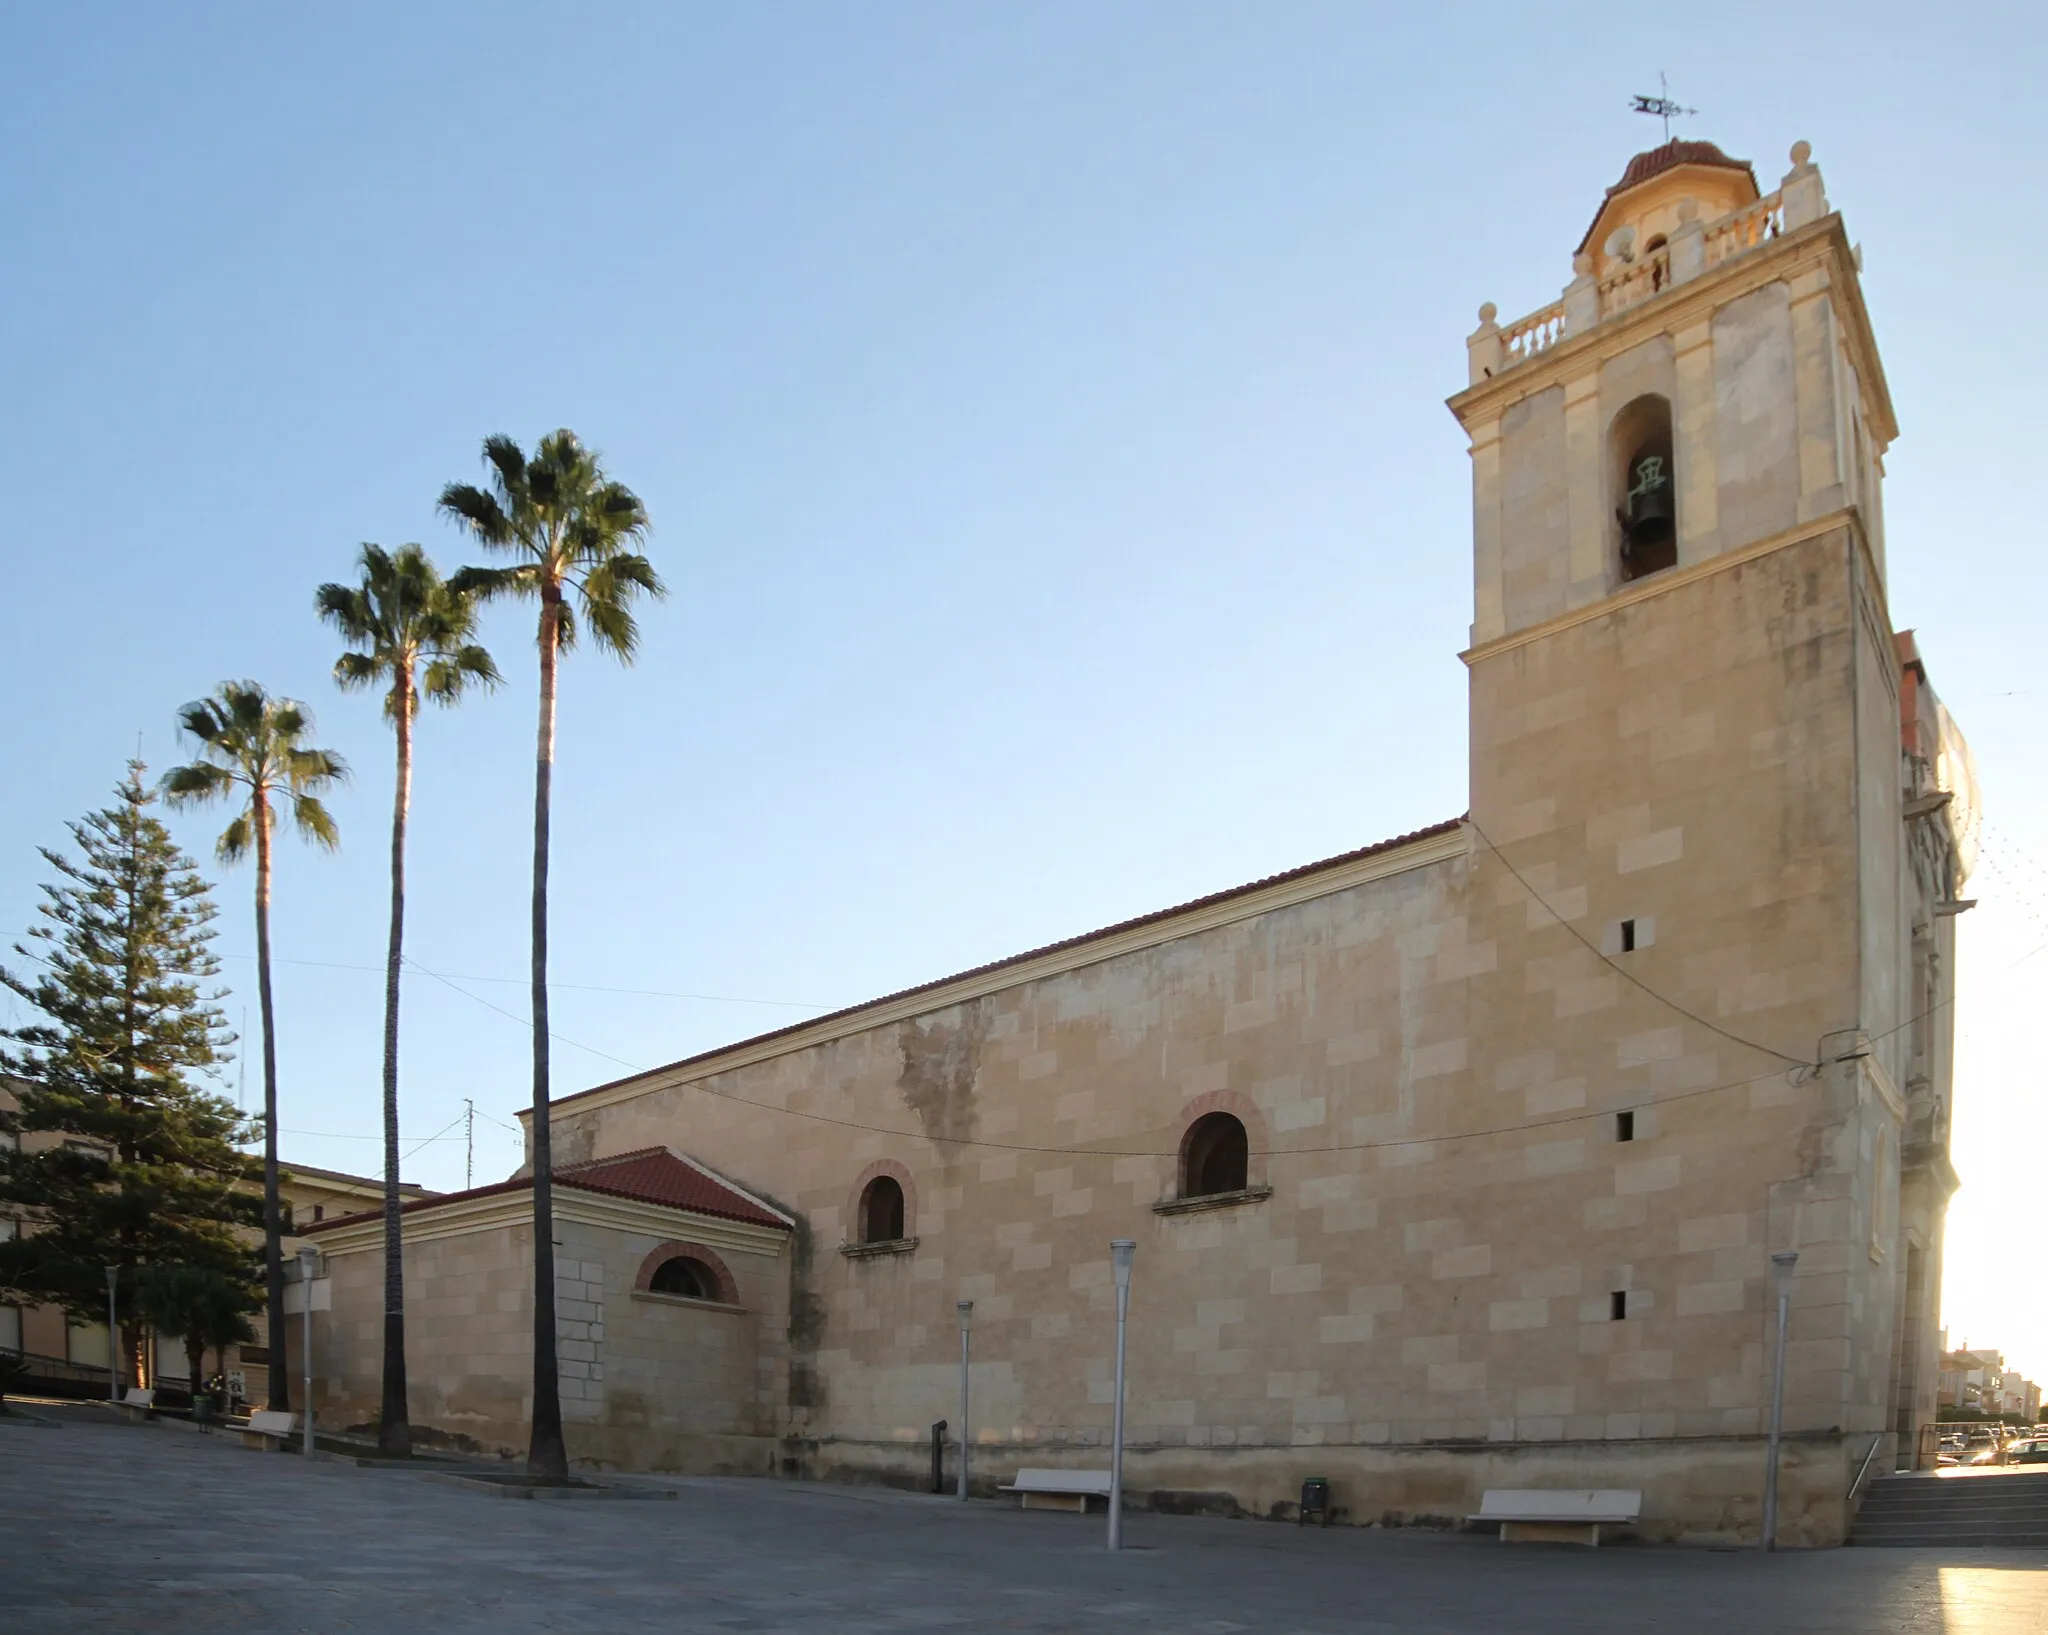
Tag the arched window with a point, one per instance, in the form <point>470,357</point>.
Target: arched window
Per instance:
<point>881,1210</point>
<point>1215,1156</point>
<point>1645,487</point>
<point>683,1275</point>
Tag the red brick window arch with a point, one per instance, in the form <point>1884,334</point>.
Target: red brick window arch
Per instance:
<point>884,1204</point>
<point>689,1271</point>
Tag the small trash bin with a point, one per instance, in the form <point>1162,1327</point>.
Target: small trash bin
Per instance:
<point>1315,1501</point>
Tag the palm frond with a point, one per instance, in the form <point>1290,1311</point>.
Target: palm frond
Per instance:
<point>479,513</point>
<point>315,823</point>
<point>196,784</point>
<point>354,670</point>
<point>453,671</point>
<point>507,460</point>
<point>307,769</point>
<point>234,841</point>
<point>488,584</point>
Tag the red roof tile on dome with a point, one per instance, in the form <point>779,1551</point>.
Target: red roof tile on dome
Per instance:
<point>650,1175</point>
<point>1655,161</point>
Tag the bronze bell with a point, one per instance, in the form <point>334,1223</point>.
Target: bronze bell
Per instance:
<point>1649,516</point>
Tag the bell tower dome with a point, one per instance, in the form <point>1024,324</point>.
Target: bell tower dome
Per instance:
<point>1706,382</point>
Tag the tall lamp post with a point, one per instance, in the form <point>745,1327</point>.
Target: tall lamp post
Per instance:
<point>309,1258</point>
<point>1781,1279</point>
<point>113,1337</point>
<point>1120,1253</point>
<point>966,1310</point>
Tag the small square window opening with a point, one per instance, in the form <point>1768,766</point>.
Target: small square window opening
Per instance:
<point>1625,1126</point>
<point>1617,1308</point>
<point>1628,936</point>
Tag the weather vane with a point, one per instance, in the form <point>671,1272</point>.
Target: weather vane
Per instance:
<point>1659,106</point>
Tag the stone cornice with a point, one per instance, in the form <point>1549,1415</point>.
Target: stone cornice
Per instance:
<point>515,1208</point>
<point>1822,246</point>
<point>1658,584</point>
<point>1228,910</point>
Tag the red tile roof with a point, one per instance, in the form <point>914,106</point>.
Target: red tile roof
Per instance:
<point>651,1175</point>
<point>1086,937</point>
<point>1656,161</point>
<point>1670,156</point>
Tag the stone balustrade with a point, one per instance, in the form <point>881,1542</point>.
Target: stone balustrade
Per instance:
<point>1693,248</point>
<point>1743,230</point>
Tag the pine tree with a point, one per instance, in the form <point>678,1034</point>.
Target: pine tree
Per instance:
<point>144,1173</point>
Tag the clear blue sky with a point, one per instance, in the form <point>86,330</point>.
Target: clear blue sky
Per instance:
<point>1040,409</point>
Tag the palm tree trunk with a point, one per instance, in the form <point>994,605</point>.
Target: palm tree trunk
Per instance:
<point>280,1392</point>
<point>394,1425</point>
<point>548,1454</point>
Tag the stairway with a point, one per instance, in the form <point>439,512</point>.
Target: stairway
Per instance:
<point>2002,1508</point>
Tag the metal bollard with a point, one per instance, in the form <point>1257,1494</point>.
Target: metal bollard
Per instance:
<point>938,1456</point>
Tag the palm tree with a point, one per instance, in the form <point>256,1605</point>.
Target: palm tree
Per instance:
<point>572,530</point>
<point>400,617</point>
<point>249,740</point>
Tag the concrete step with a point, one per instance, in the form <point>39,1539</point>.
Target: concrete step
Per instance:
<point>1991,1510</point>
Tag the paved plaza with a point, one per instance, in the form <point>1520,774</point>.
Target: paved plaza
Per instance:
<point>153,1528</point>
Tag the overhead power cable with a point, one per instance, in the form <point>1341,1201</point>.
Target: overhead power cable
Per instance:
<point>1622,971</point>
<point>569,987</point>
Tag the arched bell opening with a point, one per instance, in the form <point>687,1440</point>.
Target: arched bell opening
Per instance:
<point>1645,487</point>
<point>1660,263</point>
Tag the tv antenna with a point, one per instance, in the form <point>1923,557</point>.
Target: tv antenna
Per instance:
<point>1659,106</point>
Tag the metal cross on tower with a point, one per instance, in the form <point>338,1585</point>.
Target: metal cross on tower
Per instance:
<point>1659,106</point>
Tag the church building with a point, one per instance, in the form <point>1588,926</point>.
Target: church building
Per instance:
<point>1469,1159</point>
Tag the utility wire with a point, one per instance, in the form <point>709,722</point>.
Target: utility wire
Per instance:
<point>525,1021</point>
<point>572,987</point>
<point>1622,971</point>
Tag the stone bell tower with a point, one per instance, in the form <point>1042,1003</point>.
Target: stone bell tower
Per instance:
<point>1707,381</point>
<point>1685,731</point>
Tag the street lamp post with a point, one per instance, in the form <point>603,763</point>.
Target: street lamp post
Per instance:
<point>113,1337</point>
<point>1120,1253</point>
<point>308,1259</point>
<point>966,1310</point>
<point>1781,1279</point>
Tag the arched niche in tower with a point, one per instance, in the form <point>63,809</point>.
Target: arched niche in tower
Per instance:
<point>1644,484</point>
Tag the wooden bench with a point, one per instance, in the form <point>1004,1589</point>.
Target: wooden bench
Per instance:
<point>1059,1489</point>
<point>137,1403</point>
<point>267,1428</point>
<point>1573,1516</point>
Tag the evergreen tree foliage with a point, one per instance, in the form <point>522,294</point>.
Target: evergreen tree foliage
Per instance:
<point>144,1171</point>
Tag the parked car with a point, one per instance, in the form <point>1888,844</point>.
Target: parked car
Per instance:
<point>2027,1451</point>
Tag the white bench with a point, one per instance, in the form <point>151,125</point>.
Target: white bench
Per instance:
<point>1059,1489</point>
<point>1573,1516</point>
<point>267,1428</point>
<point>137,1403</point>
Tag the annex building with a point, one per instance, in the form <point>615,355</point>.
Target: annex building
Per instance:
<point>1456,1162</point>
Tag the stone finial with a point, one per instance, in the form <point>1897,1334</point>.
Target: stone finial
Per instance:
<point>1483,350</point>
<point>1686,258</point>
<point>1804,199</point>
<point>1581,296</point>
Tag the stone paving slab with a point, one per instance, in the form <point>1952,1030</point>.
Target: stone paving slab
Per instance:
<point>141,1528</point>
